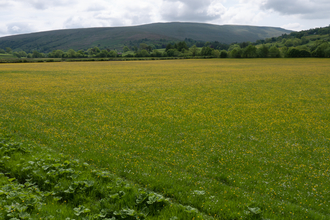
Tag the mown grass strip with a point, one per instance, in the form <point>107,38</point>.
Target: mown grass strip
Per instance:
<point>36,182</point>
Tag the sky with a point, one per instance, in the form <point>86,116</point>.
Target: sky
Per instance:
<point>27,16</point>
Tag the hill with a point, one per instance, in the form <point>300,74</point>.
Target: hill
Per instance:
<point>313,42</point>
<point>117,37</point>
<point>314,34</point>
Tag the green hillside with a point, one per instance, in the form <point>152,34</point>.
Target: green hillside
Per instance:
<point>117,37</point>
<point>313,42</point>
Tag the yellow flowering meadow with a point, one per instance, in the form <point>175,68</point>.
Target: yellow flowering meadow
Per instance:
<point>233,138</point>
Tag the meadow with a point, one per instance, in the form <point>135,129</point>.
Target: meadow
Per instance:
<point>233,138</point>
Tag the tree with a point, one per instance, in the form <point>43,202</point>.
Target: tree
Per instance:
<point>9,50</point>
<point>103,53</point>
<point>206,51</point>
<point>207,44</point>
<point>327,53</point>
<point>305,53</point>
<point>169,47</point>
<point>263,51</point>
<point>56,54</point>
<point>236,53</point>
<point>294,52</point>
<point>112,53</point>
<point>36,54</point>
<point>284,51</point>
<point>71,53</point>
<point>223,54</point>
<point>81,54</point>
<point>142,53</point>
<point>143,46</point>
<point>94,51</point>
<point>194,50</point>
<point>156,53</point>
<point>304,40</point>
<point>250,52</point>
<point>234,46</point>
<point>274,52</point>
<point>316,44</point>
<point>182,46</point>
<point>59,54</point>
<point>296,42</point>
<point>289,43</point>
<point>216,53</point>
<point>125,49</point>
<point>16,54</point>
<point>173,53</point>
<point>244,44</point>
<point>2,51</point>
<point>149,49</point>
<point>268,40</point>
<point>20,54</point>
<point>320,50</point>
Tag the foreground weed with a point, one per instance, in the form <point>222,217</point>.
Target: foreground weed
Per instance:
<point>31,187</point>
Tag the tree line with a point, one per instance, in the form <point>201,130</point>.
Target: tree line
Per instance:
<point>295,48</point>
<point>92,52</point>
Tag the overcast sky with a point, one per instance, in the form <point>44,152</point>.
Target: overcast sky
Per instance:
<point>26,16</point>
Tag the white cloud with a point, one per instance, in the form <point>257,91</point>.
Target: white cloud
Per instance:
<point>5,4</point>
<point>310,9</point>
<point>96,7</point>
<point>42,4</point>
<point>190,10</point>
<point>19,27</point>
<point>216,8</point>
<point>293,26</point>
<point>41,15</point>
<point>243,13</point>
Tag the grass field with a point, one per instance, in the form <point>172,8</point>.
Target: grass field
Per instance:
<point>231,138</point>
<point>5,55</point>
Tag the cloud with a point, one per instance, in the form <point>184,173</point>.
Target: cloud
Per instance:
<point>129,14</point>
<point>43,5</point>
<point>19,28</point>
<point>135,14</point>
<point>83,22</point>
<point>292,26</point>
<point>39,4</point>
<point>191,10</point>
<point>243,13</point>
<point>5,3</point>
<point>96,7</point>
<point>308,9</point>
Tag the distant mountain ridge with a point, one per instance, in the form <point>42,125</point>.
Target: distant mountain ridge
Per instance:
<point>117,37</point>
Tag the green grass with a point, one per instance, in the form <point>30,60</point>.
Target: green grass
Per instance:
<point>128,52</point>
<point>37,183</point>
<point>315,37</point>
<point>225,136</point>
<point>5,55</point>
